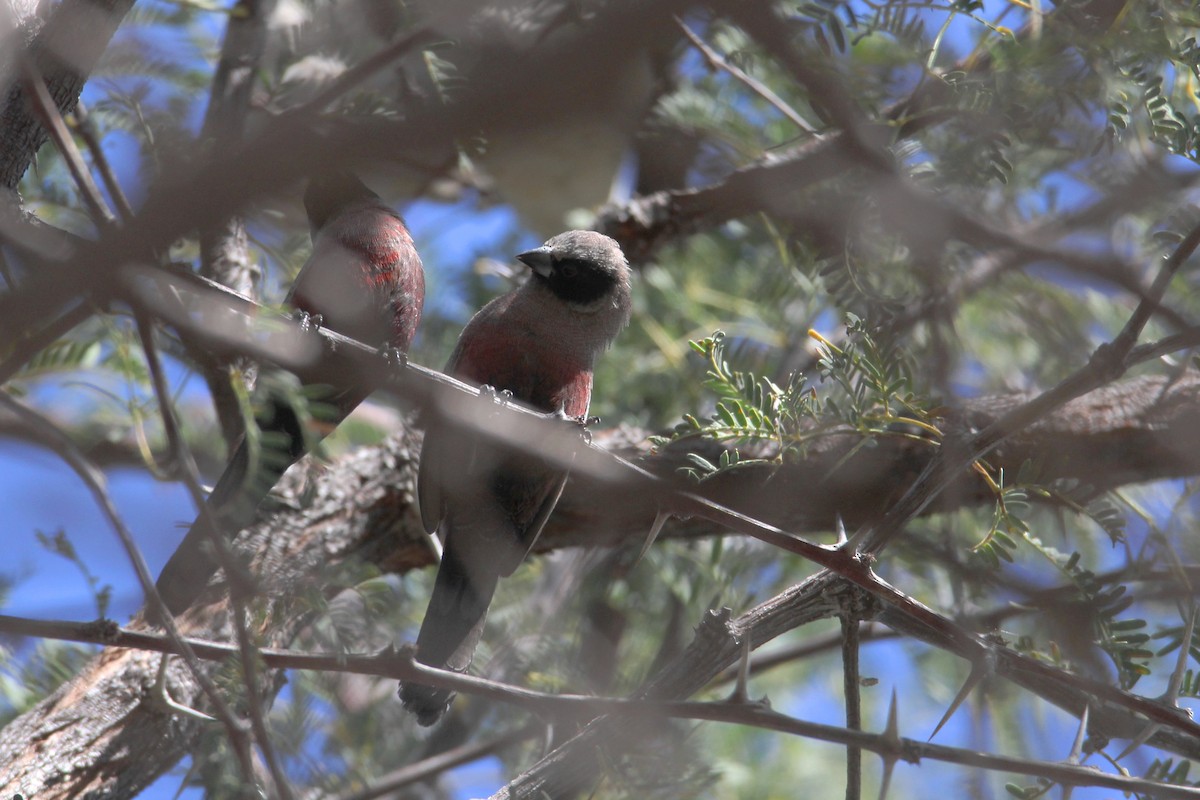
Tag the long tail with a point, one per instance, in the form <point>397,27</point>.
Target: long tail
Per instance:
<point>451,630</point>
<point>233,504</point>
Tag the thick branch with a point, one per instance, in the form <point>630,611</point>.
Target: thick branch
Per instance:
<point>65,50</point>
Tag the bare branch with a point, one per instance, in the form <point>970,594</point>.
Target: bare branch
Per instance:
<point>753,714</point>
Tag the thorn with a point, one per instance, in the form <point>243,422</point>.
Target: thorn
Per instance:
<point>977,674</point>
<point>309,323</point>
<point>1139,740</point>
<point>851,545</point>
<point>891,733</point>
<point>889,764</point>
<point>493,396</point>
<point>740,693</point>
<point>585,427</point>
<point>1077,747</point>
<point>581,423</point>
<point>840,527</point>
<point>1171,695</point>
<point>891,736</point>
<point>394,356</point>
<point>660,519</point>
<point>161,696</point>
<point>1176,681</point>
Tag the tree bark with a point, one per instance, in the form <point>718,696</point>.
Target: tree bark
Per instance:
<point>64,46</point>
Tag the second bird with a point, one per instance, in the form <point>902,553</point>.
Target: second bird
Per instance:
<point>488,504</point>
<point>364,280</point>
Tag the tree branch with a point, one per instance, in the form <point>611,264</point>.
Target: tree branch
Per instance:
<point>65,47</point>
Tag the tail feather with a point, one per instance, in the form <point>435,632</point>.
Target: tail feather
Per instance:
<point>232,504</point>
<point>451,630</point>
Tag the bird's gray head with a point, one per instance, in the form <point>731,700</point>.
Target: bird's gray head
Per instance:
<point>584,269</point>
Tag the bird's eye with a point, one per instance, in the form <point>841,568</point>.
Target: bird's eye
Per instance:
<point>569,270</point>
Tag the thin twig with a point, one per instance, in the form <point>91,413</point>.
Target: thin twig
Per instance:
<point>87,130</point>
<point>43,104</point>
<point>1129,335</point>
<point>174,640</point>
<point>717,62</point>
<point>825,92</point>
<point>850,684</point>
<point>30,346</point>
<point>179,453</point>
<point>1180,340</point>
<point>764,662</point>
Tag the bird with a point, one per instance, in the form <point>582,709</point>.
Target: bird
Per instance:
<point>487,502</point>
<point>364,280</point>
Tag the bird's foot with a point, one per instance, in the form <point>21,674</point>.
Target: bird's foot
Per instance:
<point>491,394</point>
<point>393,356</point>
<point>309,323</point>
<point>580,422</point>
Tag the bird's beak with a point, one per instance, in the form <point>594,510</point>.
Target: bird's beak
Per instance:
<point>538,260</point>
